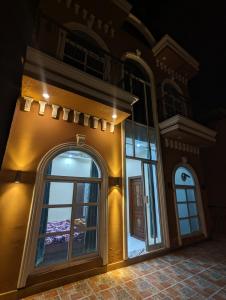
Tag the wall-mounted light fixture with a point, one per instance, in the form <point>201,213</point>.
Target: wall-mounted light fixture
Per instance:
<point>18,176</point>
<point>115,181</point>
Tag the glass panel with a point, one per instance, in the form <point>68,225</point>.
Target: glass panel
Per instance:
<point>141,149</point>
<point>194,224</point>
<point>192,209</point>
<point>85,216</point>
<point>141,142</point>
<point>58,193</point>
<point>84,243</point>
<point>184,177</point>
<point>152,205</point>
<point>181,195</point>
<point>190,195</point>
<point>73,163</point>
<point>184,227</point>
<point>182,210</point>
<point>51,250</point>
<point>87,192</point>
<point>129,147</point>
<point>55,219</point>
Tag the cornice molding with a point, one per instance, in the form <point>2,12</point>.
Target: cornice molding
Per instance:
<point>142,28</point>
<point>179,122</point>
<point>61,73</point>
<point>123,5</point>
<point>180,146</point>
<point>167,41</point>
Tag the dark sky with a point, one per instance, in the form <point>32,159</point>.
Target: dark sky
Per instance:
<point>200,27</point>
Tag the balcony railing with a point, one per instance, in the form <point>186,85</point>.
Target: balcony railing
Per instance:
<point>171,105</point>
<point>58,41</point>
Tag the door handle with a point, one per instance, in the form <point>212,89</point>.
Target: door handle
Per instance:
<point>146,199</point>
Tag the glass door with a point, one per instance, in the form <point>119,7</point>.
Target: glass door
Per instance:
<point>151,205</point>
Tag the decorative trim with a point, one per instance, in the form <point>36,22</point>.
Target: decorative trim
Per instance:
<point>42,107</point>
<point>103,125</point>
<point>66,111</point>
<point>86,120</point>
<point>142,29</point>
<point>76,80</point>
<point>90,19</point>
<point>76,116</point>
<point>74,26</point>
<point>55,110</point>
<point>170,72</point>
<point>179,122</point>
<point>95,122</point>
<point>167,41</point>
<point>112,127</point>
<point>28,102</point>
<point>180,146</point>
<point>123,5</point>
<point>80,139</point>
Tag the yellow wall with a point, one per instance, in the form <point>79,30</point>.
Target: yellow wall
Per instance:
<point>30,138</point>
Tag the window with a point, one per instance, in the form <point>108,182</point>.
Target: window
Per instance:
<point>70,209</point>
<point>173,101</point>
<point>82,52</point>
<point>186,200</point>
<point>144,232</point>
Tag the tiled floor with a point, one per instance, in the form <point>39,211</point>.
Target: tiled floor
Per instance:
<point>197,272</point>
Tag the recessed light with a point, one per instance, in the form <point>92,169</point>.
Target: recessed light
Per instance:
<point>114,116</point>
<point>45,95</point>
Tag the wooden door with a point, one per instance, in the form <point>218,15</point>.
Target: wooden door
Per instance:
<point>137,228</point>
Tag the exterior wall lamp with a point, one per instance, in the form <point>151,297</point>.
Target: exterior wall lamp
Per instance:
<point>18,177</point>
<point>115,181</point>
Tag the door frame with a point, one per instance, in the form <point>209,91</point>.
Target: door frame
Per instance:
<point>131,221</point>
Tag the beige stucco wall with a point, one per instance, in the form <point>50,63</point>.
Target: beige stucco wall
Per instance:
<point>31,136</point>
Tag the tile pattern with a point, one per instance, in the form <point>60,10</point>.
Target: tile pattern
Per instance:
<point>197,272</point>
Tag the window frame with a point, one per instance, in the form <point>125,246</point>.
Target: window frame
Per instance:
<point>28,258</point>
<point>198,200</point>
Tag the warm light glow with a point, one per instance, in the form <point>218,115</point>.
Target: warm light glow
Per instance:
<point>45,95</point>
<point>114,116</point>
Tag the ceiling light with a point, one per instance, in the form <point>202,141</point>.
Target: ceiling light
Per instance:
<point>45,95</point>
<point>114,116</point>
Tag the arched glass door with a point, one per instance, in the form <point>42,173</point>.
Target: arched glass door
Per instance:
<point>70,209</point>
<point>186,201</point>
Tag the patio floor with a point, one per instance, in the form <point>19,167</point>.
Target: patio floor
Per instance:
<point>196,272</point>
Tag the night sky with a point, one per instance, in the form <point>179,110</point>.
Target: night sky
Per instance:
<point>200,28</point>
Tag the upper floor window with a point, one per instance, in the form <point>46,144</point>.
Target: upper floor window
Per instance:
<point>137,82</point>
<point>186,200</point>
<point>69,221</point>
<point>174,103</point>
<point>83,52</point>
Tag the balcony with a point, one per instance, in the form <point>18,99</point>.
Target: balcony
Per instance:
<point>174,104</point>
<point>57,57</point>
<point>187,131</point>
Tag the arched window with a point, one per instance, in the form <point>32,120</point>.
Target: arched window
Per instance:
<point>83,52</point>
<point>137,82</point>
<point>186,202</point>
<point>174,102</point>
<point>70,196</point>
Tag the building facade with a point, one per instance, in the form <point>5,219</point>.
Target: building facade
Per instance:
<point>102,167</point>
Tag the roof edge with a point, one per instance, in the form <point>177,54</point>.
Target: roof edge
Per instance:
<point>142,28</point>
<point>167,41</point>
<point>124,5</point>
